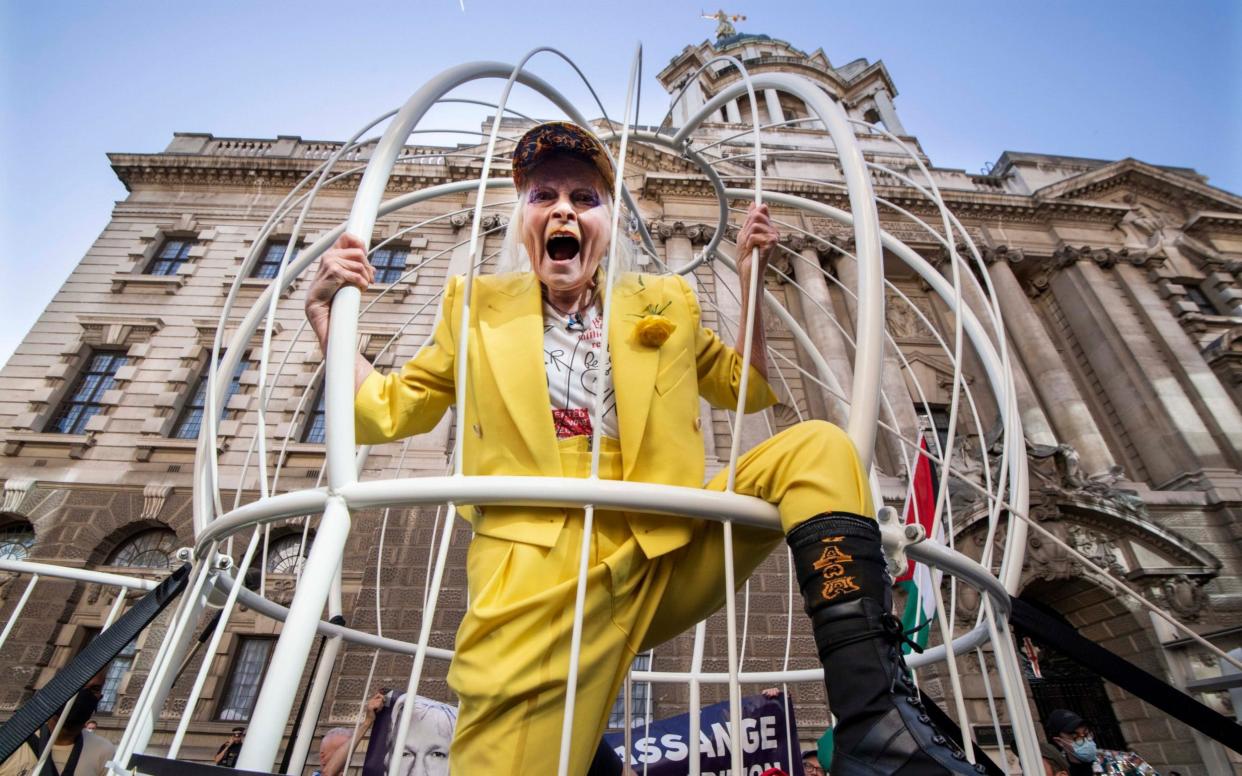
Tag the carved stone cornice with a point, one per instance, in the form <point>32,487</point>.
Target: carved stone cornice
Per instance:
<point>163,169</point>
<point>119,330</point>
<point>487,222</point>
<point>696,233</point>
<point>1105,258</point>
<point>993,254</point>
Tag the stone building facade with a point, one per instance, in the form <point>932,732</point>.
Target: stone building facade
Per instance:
<point>1118,280</point>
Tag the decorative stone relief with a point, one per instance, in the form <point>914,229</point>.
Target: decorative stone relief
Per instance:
<point>1179,594</point>
<point>1097,547</point>
<point>153,497</point>
<point>698,233</point>
<point>15,492</point>
<point>488,221</point>
<point>901,321</point>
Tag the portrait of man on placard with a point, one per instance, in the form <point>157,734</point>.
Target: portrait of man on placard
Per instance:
<point>423,749</point>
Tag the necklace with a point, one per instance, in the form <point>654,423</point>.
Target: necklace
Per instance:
<point>573,321</point>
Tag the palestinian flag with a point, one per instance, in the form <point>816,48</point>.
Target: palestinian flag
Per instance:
<point>920,582</point>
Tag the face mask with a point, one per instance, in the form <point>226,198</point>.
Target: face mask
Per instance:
<point>1085,750</point>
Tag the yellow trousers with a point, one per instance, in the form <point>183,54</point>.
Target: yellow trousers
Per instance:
<point>512,653</point>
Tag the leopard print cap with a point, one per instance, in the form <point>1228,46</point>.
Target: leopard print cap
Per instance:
<point>562,137</point>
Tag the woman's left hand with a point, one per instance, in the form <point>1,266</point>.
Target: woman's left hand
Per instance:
<point>757,232</point>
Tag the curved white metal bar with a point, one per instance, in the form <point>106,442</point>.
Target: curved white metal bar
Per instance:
<point>587,540</point>
<point>275,611</point>
<point>868,356</point>
<point>349,498</point>
<point>984,348</point>
<point>655,138</point>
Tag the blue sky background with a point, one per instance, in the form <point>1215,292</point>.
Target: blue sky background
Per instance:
<point>1158,81</point>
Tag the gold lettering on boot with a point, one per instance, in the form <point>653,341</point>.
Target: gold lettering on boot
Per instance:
<point>831,565</point>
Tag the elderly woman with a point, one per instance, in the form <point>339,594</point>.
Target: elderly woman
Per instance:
<point>650,577</point>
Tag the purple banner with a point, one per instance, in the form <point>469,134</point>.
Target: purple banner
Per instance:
<point>769,740</point>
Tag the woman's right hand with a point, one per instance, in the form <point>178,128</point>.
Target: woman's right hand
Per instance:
<point>344,264</point>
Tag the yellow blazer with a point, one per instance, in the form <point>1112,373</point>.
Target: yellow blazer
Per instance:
<point>509,429</point>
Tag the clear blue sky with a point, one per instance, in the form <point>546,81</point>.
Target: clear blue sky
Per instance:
<point>1158,81</point>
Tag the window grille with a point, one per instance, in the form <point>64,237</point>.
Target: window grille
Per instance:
<point>389,264</point>
<point>84,401</point>
<point>316,421</point>
<point>245,679</point>
<point>284,556</point>
<point>172,254</point>
<point>16,541</point>
<point>269,261</point>
<point>120,665</point>
<point>151,549</point>
<point>191,420</point>
<point>639,693</point>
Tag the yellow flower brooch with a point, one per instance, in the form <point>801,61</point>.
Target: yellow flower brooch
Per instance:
<point>653,329</point>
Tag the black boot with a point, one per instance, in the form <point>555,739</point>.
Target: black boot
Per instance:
<point>882,728</point>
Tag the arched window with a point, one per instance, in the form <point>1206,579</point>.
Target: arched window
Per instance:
<point>151,549</point>
<point>285,555</point>
<point>16,540</point>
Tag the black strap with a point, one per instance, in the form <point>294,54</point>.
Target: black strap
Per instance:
<point>71,764</point>
<point>38,743</point>
<point>945,724</point>
<point>90,661</point>
<point>1126,675</point>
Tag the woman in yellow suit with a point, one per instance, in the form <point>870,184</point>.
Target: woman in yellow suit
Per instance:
<point>650,577</point>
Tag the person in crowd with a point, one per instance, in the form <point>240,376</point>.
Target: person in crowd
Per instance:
<point>334,747</point>
<point>76,750</point>
<point>1054,760</point>
<point>1075,738</point>
<point>227,752</point>
<point>810,764</point>
<point>92,725</point>
<point>649,577</point>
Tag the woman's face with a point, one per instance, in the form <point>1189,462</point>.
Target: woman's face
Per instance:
<point>566,227</point>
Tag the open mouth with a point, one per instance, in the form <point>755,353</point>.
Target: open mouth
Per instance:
<point>562,247</point>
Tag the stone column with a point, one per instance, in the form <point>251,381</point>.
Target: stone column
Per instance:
<point>818,318</point>
<point>689,104</point>
<point>773,101</point>
<point>902,417</point>
<point>888,112</point>
<point>1035,425</point>
<point>732,113</point>
<point>1052,382</point>
<point>1182,354</point>
<point>678,252</point>
<point>1163,426</point>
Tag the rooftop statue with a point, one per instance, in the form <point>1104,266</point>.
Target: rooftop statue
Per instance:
<point>724,22</point>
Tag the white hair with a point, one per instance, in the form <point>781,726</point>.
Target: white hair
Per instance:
<point>514,257</point>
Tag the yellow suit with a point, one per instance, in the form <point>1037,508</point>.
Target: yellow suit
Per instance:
<point>657,396</point>
<point>650,577</point>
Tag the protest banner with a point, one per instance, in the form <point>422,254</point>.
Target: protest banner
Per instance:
<point>769,740</point>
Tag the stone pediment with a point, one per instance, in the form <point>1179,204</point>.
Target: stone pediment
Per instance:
<point>1167,568</point>
<point>1131,175</point>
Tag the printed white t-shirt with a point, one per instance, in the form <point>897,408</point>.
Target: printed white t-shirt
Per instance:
<point>572,356</point>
